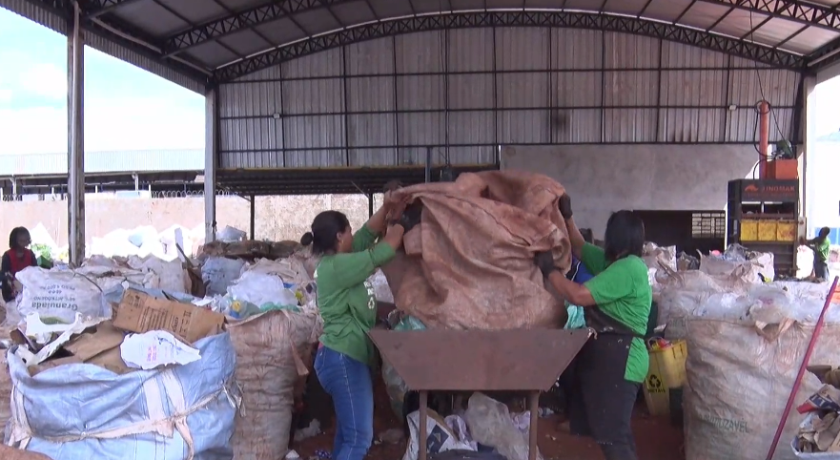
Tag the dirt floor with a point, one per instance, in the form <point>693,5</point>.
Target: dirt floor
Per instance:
<point>656,439</point>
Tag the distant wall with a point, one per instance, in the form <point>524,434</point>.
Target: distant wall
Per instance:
<point>277,218</point>
<point>602,179</point>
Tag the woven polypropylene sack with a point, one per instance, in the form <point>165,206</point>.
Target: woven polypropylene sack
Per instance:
<point>5,392</point>
<point>739,382</point>
<point>268,350</point>
<point>471,258</point>
<point>83,411</point>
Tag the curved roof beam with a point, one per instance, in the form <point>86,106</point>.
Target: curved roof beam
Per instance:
<point>809,14</point>
<point>261,14</point>
<point>558,19</point>
<point>792,10</point>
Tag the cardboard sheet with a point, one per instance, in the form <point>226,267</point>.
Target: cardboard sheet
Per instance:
<point>139,312</point>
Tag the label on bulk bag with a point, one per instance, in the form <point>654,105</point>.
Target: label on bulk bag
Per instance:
<point>58,295</point>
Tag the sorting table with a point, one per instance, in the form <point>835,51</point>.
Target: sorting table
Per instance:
<point>528,360</point>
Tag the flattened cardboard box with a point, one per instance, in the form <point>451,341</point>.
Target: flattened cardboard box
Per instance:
<point>101,348</point>
<point>140,312</point>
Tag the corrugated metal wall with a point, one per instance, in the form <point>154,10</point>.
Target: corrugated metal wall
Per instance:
<point>464,92</point>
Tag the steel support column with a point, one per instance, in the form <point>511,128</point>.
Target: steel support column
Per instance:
<point>809,108</point>
<point>253,201</point>
<point>76,138</point>
<point>211,127</point>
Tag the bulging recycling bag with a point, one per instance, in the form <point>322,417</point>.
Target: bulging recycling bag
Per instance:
<point>59,295</point>
<point>472,255</point>
<point>83,411</point>
<point>739,378</point>
<point>272,353</point>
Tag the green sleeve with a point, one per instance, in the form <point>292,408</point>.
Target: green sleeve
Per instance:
<point>610,285</point>
<point>353,268</point>
<point>363,239</point>
<point>593,258</point>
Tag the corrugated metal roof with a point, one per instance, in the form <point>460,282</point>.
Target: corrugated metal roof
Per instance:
<point>100,162</point>
<point>227,39</point>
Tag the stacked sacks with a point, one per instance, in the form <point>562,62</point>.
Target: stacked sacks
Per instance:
<point>679,294</point>
<point>746,341</point>
<point>758,266</point>
<point>274,354</point>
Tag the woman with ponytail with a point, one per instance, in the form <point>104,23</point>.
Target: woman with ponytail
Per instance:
<point>348,306</point>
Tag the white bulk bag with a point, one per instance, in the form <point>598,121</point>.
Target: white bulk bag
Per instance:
<point>83,411</point>
<point>60,294</point>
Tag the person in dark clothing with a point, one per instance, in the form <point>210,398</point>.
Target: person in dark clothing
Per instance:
<point>610,368</point>
<point>18,257</point>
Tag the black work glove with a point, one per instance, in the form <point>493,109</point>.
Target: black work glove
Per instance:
<point>411,216</point>
<point>406,221</point>
<point>565,206</point>
<point>545,261</point>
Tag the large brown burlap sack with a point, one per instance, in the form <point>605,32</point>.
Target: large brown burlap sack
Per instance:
<point>271,350</point>
<point>739,378</point>
<point>469,264</point>
<point>10,453</point>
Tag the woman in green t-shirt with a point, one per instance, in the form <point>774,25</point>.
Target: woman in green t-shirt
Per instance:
<point>608,371</point>
<point>348,306</point>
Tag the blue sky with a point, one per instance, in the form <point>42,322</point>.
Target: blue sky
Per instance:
<point>126,108</point>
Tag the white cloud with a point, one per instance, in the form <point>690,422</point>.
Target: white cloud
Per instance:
<point>126,108</point>
<point>45,80</point>
<point>110,124</point>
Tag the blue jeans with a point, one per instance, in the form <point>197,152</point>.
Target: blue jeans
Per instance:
<point>349,383</point>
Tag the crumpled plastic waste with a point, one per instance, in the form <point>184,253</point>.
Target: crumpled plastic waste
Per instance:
<point>576,320</point>
<point>153,349</point>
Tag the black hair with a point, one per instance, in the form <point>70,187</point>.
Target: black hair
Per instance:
<point>625,236</point>
<point>824,232</point>
<point>13,236</point>
<point>587,235</point>
<point>325,227</point>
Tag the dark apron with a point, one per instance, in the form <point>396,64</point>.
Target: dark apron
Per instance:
<point>596,372</point>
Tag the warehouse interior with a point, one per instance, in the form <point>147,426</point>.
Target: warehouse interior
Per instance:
<point>651,105</point>
<point>694,119</point>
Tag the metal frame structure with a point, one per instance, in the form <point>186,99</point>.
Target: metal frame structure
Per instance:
<point>591,21</point>
<point>207,45</point>
<point>110,20</point>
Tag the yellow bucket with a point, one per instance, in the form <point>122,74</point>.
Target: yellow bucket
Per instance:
<point>667,371</point>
